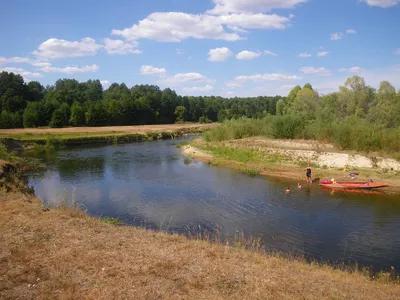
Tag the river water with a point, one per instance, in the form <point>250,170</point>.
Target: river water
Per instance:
<point>152,185</point>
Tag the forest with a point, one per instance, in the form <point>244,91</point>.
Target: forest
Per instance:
<point>72,103</point>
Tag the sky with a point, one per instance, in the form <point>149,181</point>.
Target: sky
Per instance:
<point>204,47</point>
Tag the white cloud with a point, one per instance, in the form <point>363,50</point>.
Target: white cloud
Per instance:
<point>149,70</point>
<point>351,31</point>
<point>178,26</point>
<point>316,71</point>
<point>182,78</point>
<point>236,28</point>
<point>247,55</point>
<point>268,52</point>
<point>206,88</point>
<point>71,69</point>
<point>322,53</point>
<point>336,36</point>
<point>265,77</point>
<point>105,83</point>
<point>352,69</point>
<point>24,73</point>
<point>119,47</point>
<point>240,6</point>
<point>17,59</point>
<point>356,69</point>
<point>381,3</point>
<point>233,84</point>
<point>55,48</point>
<point>304,54</point>
<point>179,51</point>
<point>397,51</point>
<point>219,54</point>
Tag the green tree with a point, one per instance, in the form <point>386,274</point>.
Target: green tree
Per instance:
<point>5,120</point>
<point>77,115</point>
<point>180,114</point>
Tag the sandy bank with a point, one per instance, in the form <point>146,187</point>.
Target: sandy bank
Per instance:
<point>64,254</point>
<point>292,156</point>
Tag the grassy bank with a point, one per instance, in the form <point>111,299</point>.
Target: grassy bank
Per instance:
<point>64,254</point>
<point>349,134</point>
<point>58,137</point>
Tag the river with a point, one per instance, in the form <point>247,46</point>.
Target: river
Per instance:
<point>152,185</point>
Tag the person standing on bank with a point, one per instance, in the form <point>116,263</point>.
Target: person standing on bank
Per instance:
<point>308,173</point>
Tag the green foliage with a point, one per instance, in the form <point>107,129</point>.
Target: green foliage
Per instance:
<point>204,120</point>
<point>54,142</point>
<point>287,127</point>
<point>180,114</point>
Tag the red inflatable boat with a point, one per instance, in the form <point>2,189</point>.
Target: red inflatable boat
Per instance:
<point>352,185</point>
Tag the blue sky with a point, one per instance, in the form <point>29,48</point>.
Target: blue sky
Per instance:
<point>219,47</point>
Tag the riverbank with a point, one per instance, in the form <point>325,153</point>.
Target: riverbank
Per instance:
<point>65,254</point>
<point>55,137</point>
<point>288,158</point>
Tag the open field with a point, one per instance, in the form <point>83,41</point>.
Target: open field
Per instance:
<point>37,133</point>
<point>64,254</point>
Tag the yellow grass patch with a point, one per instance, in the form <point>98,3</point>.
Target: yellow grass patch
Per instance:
<point>64,254</point>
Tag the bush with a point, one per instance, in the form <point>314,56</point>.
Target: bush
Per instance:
<point>204,120</point>
<point>287,127</point>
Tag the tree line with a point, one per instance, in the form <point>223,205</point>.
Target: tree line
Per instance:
<point>72,103</point>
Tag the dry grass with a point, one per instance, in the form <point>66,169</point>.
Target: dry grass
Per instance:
<point>105,129</point>
<point>64,254</point>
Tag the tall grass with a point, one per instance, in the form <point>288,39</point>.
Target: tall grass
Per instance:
<point>349,134</point>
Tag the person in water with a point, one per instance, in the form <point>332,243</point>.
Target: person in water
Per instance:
<point>287,190</point>
<point>299,186</point>
<point>309,173</point>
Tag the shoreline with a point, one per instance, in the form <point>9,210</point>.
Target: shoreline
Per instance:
<point>277,164</point>
<point>64,253</point>
<point>29,138</point>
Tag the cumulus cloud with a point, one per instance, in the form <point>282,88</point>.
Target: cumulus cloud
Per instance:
<point>183,78</point>
<point>233,84</point>
<point>149,70</point>
<point>247,55</point>
<point>351,31</point>
<point>219,54</point>
<point>336,36</point>
<point>179,51</point>
<point>381,3</point>
<point>56,48</point>
<point>24,73</point>
<point>254,6</point>
<point>304,54</point>
<point>268,52</point>
<point>316,71</point>
<point>120,47</point>
<point>322,53</point>
<point>206,88</point>
<point>178,26</point>
<point>71,69</point>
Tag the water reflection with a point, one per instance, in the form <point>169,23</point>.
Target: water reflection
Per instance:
<point>150,184</point>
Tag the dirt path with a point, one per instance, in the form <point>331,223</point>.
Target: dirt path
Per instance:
<point>121,129</point>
